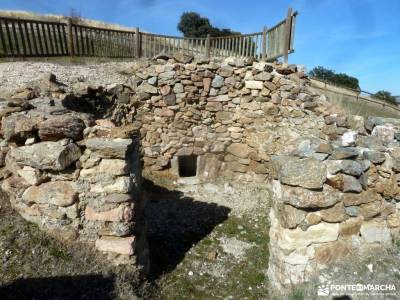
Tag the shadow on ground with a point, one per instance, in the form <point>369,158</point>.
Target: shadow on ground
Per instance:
<point>175,224</point>
<point>79,287</point>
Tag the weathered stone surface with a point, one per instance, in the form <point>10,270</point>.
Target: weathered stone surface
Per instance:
<point>393,220</point>
<point>375,231</point>
<point>349,138</point>
<point>239,150</point>
<point>217,82</point>
<point>350,227</point>
<point>219,98</point>
<point>291,239</point>
<point>333,214</point>
<point>165,90</point>
<point>183,58</point>
<point>290,216</point>
<point>308,173</point>
<point>344,153</point>
<point>19,127</point>
<point>117,198</point>
<point>356,123</point>
<point>14,185</point>
<point>263,76</point>
<point>371,209</point>
<point>120,245</point>
<point>374,156</point>
<point>254,85</point>
<point>362,198</point>
<point>345,183</point>
<point>331,252</point>
<point>147,88</point>
<point>313,218</point>
<point>121,185</point>
<point>31,175</point>
<point>384,133</point>
<point>113,167</point>
<point>304,198</point>
<point>351,167</point>
<point>170,99</point>
<point>125,132</point>
<point>109,148</point>
<point>214,106</point>
<point>61,193</point>
<point>352,211</point>
<point>44,156</point>
<point>60,127</point>
<point>207,84</point>
<point>120,213</point>
<point>236,167</point>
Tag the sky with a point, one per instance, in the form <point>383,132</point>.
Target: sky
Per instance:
<point>358,37</point>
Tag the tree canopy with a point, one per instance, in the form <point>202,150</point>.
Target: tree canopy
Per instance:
<point>335,78</point>
<point>386,96</point>
<point>191,24</point>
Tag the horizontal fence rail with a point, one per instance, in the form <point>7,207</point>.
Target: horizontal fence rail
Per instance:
<point>33,38</point>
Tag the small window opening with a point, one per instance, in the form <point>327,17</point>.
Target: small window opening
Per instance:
<point>187,165</point>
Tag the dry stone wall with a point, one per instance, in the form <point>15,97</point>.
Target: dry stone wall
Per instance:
<point>334,178</point>
<point>74,176</point>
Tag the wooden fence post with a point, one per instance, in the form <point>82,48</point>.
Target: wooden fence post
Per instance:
<point>70,38</point>
<point>264,44</point>
<point>208,46</point>
<point>288,29</point>
<point>138,42</point>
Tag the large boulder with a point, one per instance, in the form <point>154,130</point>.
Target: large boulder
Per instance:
<point>60,193</point>
<point>54,156</point>
<point>60,127</point>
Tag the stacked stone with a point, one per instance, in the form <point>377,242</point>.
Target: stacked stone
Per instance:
<point>334,178</point>
<point>41,185</point>
<point>226,112</point>
<point>77,178</point>
<point>333,198</point>
<point>109,189</point>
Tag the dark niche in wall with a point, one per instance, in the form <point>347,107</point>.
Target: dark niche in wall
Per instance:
<point>187,165</point>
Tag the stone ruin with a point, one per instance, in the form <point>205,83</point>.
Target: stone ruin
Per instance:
<point>74,159</point>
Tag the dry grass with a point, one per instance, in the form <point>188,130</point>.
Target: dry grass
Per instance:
<point>36,266</point>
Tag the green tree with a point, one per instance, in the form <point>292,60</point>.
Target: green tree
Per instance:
<point>386,96</point>
<point>191,24</point>
<point>335,78</point>
<point>322,73</point>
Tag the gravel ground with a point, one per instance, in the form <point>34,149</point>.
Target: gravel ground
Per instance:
<point>15,75</point>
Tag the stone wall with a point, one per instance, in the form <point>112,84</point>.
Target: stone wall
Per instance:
<point>76,177</point>
<point>231,115</point>
<point>334,178</point>
<point>333,200</point>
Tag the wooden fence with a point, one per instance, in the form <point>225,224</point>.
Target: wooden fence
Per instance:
<point>33,38</point>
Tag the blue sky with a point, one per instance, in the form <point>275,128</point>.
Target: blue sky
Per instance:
<point>357,37</point>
